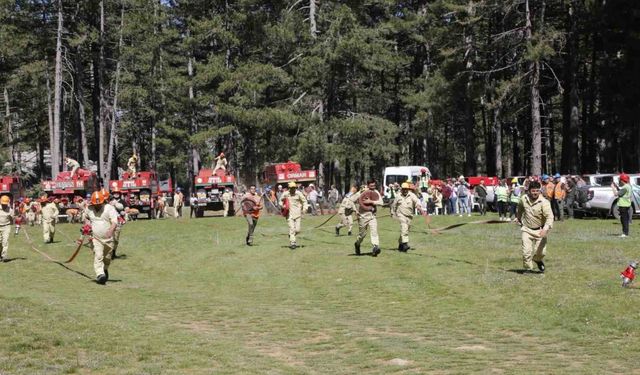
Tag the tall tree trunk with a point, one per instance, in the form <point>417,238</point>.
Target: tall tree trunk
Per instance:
<point>312,18</point>
<point>103,173</point>
<point>114,115</point>
<point>49,115</point>
<point>497,131</point>
<point>7,114</point>
<point>79,96</point>
<point>57,98</point>
<point>536,127</point>
<point>570,114</point>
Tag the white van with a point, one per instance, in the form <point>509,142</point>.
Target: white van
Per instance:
<point>402,174</point>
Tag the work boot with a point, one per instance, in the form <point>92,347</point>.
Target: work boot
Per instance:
<point>400,246</point>
<point>375,251</point>
<point>293,246</point>
<point>349,233</point>
<point>540,265</point>
<point>337,231</point>
<point>101,279</point>
<point>106,273</point>
<point>357,246</point>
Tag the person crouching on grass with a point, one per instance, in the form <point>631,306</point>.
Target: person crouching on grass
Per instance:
<point>535,217</point>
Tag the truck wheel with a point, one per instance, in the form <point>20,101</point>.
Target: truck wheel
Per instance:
<point>614,211</point>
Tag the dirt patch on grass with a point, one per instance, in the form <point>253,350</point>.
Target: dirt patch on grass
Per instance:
<point>399,362</point>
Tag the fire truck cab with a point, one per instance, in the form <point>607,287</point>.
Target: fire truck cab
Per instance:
<point>209,188</point>
<point>283,173</point>
<point>11,186</point>
<point>67,190</point>
<point>139,191</point>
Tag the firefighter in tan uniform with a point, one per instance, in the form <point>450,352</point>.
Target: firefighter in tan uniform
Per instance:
<point>226,198</point>
<point>403,207</point>
<point>6,219</point>
<point>221,163</point>
<point>73,165</point>
<point>367,217</point>
<point>178,202</point>
<point>536,219</point>
<point>346,210</point>
<point>297,206</point>
<point>132,165</point>
<point>103,219</point>
<point>49,218</point>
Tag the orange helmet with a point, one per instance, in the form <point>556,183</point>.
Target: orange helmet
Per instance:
<point>105,193</point>
<point>27,200</point>
<point>5,199</point>
<point>44,199</point>
<point>97,198</point>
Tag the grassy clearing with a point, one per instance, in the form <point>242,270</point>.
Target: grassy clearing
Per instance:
<point>189,297</point>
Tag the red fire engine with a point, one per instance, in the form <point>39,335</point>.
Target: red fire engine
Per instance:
<point>209,190</point>
<point>282,173</point>
<point>68,190</point>
<point>139,191</point>
<point>11,186</point>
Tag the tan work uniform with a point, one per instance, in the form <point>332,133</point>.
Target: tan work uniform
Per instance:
<point>226,198</point>
<point>404,207</point>
<point>49,216</point>
<point>534,216</point>
<point>132,166</point>
<point>367,220</point>
<point>6,218</point>
<point>221,163</point>
<point>101,221</point>
<point>346,209</point>
<point>297,205</point>
<point>177,205</point>
<point>73,165</point>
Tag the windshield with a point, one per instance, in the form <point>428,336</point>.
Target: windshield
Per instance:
<point>604,180</point>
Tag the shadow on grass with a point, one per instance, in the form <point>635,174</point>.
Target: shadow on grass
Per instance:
<point>8,260</point>
<point>121,257</point>
<point>520,271</point>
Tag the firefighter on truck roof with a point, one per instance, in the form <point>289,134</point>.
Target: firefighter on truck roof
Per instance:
<point>221,163</point>
<point>73,165</point>
<point>132,165</point>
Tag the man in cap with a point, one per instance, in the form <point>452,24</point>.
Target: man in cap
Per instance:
<point>178,202</point>
<point>251,206</point>
<point>227,196</point>
<point>481,197</point>
<point>536,219</point>
<point>49,218</point>
<point>403,208</point>
<point>346,210</point>
<point>367,202</point>
<point>103,219</point>
<point>623,192</point>
<point>559,194</point>
<point>6,219</point>
<point>297,206</point>
<point>221,163</point>
<point>132,165</point>
<point>312,197</point>
<point>73,165</point>
<point>116,201</point>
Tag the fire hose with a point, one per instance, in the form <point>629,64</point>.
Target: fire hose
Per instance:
<point>53,260</point>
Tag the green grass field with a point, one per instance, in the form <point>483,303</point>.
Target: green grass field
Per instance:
<point>191,298</point>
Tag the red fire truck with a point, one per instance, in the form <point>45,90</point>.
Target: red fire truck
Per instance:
<point>11,186</point>
<point>67,190</point>
<point>209,189</point>
<point>139,191</point>
<point>282,173</point>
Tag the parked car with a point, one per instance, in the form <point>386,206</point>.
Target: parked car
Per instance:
<point>599,199</point>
